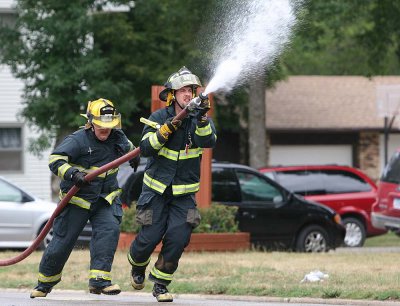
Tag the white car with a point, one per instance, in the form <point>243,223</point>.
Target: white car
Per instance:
<point>22,217</point>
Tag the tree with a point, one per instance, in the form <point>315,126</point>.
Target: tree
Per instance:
<point>357,37</point>
<point>70,52</point>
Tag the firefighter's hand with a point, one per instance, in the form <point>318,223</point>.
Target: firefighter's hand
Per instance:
<point>134,163</point>
<point>78,177</point>
<point>168,128</point>
<point>202,110</point>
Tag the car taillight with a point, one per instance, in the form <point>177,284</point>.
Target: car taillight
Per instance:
<point>337,219</point>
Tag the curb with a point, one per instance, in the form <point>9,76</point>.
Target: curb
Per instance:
<point>249,298</point>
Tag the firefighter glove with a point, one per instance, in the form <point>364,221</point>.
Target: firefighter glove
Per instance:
<point>202,110</point>
<point>78,177</point>
<point>168,128</point>
<point>134,162</point>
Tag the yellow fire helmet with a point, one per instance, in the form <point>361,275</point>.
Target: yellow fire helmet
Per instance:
<point>102,113</point>
<point>183,77</point>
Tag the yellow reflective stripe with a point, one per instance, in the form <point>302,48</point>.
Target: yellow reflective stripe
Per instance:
<point>131,146</point>
<point>76,201</point>
<point>54,157</point>
<point>154,142</point>
<point>110,198</point>
<point>102,175</point>
<point>161,275</point>
<point>154,184</point>
<point>99,274</point>
<point>62,169</point>
<point>170,154</point>
<point>203,131</point>
<point>147,135</point>
<point>191,153</point>
<point>48,279</point>
<point>183,189</point>
<point>138,264</point>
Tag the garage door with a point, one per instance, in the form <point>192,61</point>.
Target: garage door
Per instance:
<point>311,155</point>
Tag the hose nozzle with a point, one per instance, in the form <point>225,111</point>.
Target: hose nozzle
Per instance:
<point>203,96</point>
<point>195,102</point>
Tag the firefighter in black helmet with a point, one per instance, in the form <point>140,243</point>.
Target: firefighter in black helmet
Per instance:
<point>166,208</point>
<point>100,142</point>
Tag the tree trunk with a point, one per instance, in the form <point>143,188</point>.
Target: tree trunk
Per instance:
<point>257,131</point>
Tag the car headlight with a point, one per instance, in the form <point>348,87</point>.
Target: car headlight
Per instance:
<point>337,219</point>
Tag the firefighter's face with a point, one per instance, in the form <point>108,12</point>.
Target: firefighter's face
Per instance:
<point>184,95</point>
<point>101,133</point>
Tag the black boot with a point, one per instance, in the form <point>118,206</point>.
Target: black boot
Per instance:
<point>108,290</point>
<point>40,291</point>
<point>160,292</point>
<point>137,279</point>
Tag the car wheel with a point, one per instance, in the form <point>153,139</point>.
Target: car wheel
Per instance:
<point>43,245</point>
<point>312,238</point>
<point>355,232</point>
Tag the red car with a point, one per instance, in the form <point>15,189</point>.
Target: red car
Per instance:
<point>386,210</point>
<point>347,190</point>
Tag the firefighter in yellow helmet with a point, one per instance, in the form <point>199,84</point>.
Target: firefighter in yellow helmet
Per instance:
<point>166,208</point>
<point>100,142</point>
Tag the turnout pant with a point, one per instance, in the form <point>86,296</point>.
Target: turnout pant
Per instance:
<point>105,220</point>
<point>167,218</point>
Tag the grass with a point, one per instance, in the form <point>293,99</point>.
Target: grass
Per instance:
<point>373,276</point>
<point>388,240</point>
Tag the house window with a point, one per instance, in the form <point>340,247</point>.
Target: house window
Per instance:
<point>10,149</point>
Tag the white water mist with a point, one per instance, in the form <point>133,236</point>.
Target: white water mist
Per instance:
<point>253,34</point>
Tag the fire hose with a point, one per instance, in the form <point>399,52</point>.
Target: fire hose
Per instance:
<point>193,104</point>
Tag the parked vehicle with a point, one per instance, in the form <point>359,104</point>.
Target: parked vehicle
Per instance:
<point>386,210</point>
<point>275,217</point>
<point>347,190</point>
<point>22,217</point>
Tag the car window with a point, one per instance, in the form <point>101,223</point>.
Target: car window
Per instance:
<point>338,181</point>
<point>321,182</point>
<point>302,182</point>
<point>9,193</point>
<point>391,173</point>
<point>225,187</point>
<point>255,188</point>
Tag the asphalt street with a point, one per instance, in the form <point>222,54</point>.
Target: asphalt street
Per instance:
<point>15,297</point>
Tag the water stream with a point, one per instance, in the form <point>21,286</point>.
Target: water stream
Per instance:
<point>249,38</point>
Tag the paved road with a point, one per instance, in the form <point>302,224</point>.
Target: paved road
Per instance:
<point>15,297</point>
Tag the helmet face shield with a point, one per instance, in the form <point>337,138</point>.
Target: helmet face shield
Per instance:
<point>108,121</point>
<point>185,80</point>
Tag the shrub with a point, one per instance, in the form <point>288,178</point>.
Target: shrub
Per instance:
<point>215,219</point>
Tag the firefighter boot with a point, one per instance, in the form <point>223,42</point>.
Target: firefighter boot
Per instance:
<point>160,292</point>
<point>108,290</point>
<point>137,279</point>
<point>40,291</point>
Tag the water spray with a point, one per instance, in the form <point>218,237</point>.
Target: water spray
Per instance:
<point>249,41</point>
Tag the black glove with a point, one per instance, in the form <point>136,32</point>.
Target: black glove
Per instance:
<point>134,162</point>
<point>78,178</point>
<point>202,109</point>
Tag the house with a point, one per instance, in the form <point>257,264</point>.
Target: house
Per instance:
<point>329,119</point>
<point>16,163</point>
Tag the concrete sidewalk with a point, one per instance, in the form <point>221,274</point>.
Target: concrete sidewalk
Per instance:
<point>20,297</point>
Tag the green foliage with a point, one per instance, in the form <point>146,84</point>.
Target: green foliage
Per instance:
<point>129,224</point>
<point>216,219</point>
<point>357,37</point>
